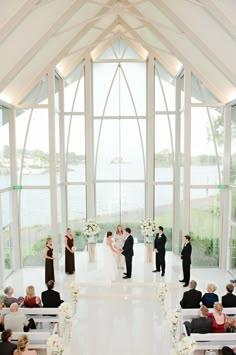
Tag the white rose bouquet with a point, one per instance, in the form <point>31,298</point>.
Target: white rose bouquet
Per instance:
<point>55,345</point>
<point>186,346</point>
<point>91,228</point>
<point>75,291</point>
<point>65,310</point>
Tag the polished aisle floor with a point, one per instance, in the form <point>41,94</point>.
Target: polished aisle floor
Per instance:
<point>124,318</point>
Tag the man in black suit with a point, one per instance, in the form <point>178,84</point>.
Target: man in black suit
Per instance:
<point>229,300</point>
<point>128,253</point>
<point>160,251</point>
<point>191,298</point>
<point>6,347</point>
<point>201,325</point>
<point>51,298</point>
<point>186,260</point>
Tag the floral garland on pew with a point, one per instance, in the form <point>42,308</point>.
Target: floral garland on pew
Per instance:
<point>65,320</point>
<point>186,346</point>
<point>162,294</point>
<point>55,345</point>
<point>173,318</point>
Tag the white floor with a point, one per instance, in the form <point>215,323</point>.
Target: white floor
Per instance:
<point>125,318</point>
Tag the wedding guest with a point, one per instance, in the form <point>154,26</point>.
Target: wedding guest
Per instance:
<point>209,298</point>
<point>229,300</point>
<point>186,260</point>
<point>160,251</point>
<point>48,254</point>
<point>191,298</point>
<point>17,321</point>
<point>202,325</point>
<point>69,252</point>
<point>228,351</point>
<point>9,298</point>
<point>22,347</point>
<point>30,299</point>
<point>218,319</point>
<point>6,347</point>
<point>1,317</point>
<point>51,298</point>
<point>118,244</point>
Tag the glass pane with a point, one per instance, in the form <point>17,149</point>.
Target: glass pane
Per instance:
<point>164,211</point>
<point>77,213</point>
<point>6,230</point>
<point>233,248</point>
<point>57,147</point>
<point>75,147</point>
<point>124,158</point>
<point>205,226</point>
<point>233,206</point>
<point>32,129</point>
<point>164,89</point>
<point>74,90</point>
<point>107,54</point>
<point>4,149</point>
<point>206,136</point>
<point>164,147</point>
<point>200,93</point>
<point>233,147</point>
<point>39,95</point>
<point>119,47</point>
<point>35,219</point>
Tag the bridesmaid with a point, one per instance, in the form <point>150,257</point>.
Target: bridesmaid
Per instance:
<point>119,240</point>
<point>69,252</point>
<point>49,268</point>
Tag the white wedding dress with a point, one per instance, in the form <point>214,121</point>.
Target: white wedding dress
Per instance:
<point>110,270</point>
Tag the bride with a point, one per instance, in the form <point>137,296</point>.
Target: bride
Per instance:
<point>110,270</point>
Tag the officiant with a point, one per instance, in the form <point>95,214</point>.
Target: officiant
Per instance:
<point>160,251</point>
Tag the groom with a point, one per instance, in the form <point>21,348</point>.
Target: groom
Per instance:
<point>128,252</point>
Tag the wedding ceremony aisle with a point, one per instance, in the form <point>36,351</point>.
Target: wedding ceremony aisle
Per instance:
<point>124,318</point>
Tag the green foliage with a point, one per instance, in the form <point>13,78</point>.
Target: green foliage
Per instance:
<point>39,246</point>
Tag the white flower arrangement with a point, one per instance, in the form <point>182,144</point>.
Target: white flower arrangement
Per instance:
<point>186,346</point>
<point>55,345</point>
<point>75,291</point>
<point>148,227</point>
<point>65,310</point>
<point>91,228</point>
<point>162,293</point>
<point>173,318</point>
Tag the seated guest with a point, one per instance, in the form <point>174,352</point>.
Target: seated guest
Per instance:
<point>9,299</point>
<point>17,321</point>
<point>209,298</point>
<point>228,351</point>
<point>51,298</point>
<point>1,317</point>
<point>191,298</point>
<point>218,319</point>
<point>22,347</point>
<point>202,325</point>
<point>6,347</point>
<point>229,300</point>
<point>30,299</point>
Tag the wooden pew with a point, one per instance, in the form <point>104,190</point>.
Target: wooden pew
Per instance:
<point>190,313</point>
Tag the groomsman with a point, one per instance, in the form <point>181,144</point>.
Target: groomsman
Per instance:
<point>160,251</point>
<point>186,260</point>
<point>128,252</point>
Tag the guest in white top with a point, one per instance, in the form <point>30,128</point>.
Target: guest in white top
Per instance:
<point>17,321</point>
<point>119,240</point>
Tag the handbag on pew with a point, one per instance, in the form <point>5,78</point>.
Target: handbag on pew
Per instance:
<point>210,352</point>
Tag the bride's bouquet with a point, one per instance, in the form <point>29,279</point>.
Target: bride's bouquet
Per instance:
<point>91,228</point>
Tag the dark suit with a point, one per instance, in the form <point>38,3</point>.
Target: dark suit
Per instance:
<point>51,299</point>
<point>186,261</point>
<point>200,325</point>
<point>229,300</point>
<point>128,253</point>
<point>159,244</point>
<point>7,348</point>
<point>191,299</point>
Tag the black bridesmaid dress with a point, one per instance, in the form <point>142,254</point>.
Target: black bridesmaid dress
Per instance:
<point>69,257</point>
<point>49,268</point>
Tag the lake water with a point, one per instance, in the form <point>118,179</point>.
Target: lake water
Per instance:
<point>35,204</point>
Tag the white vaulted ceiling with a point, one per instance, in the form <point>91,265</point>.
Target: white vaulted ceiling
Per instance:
<point>36,35</point>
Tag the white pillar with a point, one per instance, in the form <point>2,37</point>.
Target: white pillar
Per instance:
<point>187,149</point>
<point>149,202</point>
<point>89,148</point>
<point>52,163</point>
